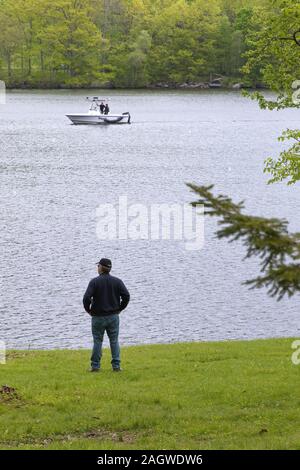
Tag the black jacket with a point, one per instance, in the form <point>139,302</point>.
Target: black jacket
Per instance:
<point>105,295</point>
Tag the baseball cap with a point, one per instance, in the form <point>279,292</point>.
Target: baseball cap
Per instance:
<point>105,262</point>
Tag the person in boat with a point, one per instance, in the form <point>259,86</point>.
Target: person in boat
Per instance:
<point>102,107</point>
<point>106,109</point>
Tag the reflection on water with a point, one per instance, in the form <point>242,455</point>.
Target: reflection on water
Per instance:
<point>54,176</point>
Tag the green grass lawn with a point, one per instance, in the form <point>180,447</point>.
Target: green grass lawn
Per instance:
<point>226,395</point>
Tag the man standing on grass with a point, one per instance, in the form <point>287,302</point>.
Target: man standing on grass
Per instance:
<point>105,297</point>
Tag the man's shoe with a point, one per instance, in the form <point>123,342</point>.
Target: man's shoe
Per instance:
<point>117,369</point>
<point>92,369</point>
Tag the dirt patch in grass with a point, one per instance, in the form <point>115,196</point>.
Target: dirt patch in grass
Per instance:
<point>8,393</point>
<point>10,355</point>
<point>121,436</point>
<point>98,434</point>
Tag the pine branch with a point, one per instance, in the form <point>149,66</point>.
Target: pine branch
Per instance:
<point>268,239</point>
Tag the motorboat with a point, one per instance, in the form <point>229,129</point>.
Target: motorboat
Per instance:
<point>99,113</point>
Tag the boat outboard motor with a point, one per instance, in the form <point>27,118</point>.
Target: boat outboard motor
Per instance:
<point>129,117</point>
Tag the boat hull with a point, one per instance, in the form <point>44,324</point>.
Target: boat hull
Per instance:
<point>97,119</point>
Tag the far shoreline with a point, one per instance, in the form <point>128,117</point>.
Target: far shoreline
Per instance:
<point>229,84</point>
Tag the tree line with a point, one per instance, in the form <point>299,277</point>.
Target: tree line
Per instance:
<point>125,43</point>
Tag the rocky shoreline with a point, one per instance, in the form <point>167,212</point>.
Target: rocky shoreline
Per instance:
<point>198,85</point>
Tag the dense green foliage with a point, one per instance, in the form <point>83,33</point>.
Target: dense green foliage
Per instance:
<point>274,50</point>
<point>123,43</point>
<point>287,166</point>
<point>227,395</point>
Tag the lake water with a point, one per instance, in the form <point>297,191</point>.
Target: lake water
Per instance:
<point>54,175</point>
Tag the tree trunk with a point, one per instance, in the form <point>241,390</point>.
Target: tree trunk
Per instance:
<point>22,63</point>
<point>42,61</point>
<point>8,58</point>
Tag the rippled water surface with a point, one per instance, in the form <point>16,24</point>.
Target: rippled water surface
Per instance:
<point>54,176</point>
